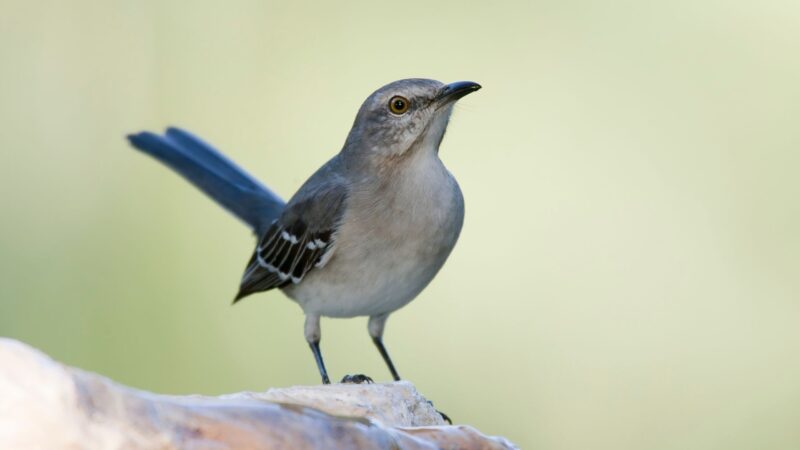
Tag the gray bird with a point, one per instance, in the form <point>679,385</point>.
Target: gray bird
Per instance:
<point>367,232</point>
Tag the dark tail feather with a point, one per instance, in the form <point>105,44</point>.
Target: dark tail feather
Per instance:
<point>214,174</point>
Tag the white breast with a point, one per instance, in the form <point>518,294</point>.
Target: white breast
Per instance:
<point>390,245</point>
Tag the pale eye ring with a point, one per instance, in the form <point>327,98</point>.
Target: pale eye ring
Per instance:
<point>399,105</point>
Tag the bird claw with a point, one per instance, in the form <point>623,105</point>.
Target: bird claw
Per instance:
<point>445,417</point>
<point>359,378</point>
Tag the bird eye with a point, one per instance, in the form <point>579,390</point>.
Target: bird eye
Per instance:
<point>398,105</point>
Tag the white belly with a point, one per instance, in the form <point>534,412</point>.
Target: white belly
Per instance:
<point>387,253</point>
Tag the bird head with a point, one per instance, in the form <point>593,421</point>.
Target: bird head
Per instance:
<point>404,116</point>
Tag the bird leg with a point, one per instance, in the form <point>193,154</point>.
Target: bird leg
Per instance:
<point>320,364</point>
<point>375,327</point>
<point>313,335</point>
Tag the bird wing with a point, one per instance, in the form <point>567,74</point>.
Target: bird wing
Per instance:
<point>301,239</point>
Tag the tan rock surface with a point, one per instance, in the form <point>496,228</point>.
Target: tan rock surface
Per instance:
<point>44,404</point>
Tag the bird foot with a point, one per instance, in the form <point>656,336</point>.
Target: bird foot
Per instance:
<point>359,378</point>
<point>445,417</point>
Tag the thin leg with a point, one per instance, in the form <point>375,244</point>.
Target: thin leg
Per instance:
<point>313,335</point>
<point>379,343</point>
<point>320,364</point>
<point>375,326</point>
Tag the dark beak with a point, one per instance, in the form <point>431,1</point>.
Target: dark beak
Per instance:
<point>454,91</point>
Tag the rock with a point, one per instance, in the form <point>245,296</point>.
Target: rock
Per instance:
<point>396,404</point>
<point>44,404</point>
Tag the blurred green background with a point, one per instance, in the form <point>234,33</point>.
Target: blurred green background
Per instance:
<point>628,276</point>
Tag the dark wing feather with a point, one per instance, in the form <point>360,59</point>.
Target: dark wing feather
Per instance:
<point>296,242</point>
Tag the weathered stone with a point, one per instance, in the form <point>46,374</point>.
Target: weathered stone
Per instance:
<point>44,404</point>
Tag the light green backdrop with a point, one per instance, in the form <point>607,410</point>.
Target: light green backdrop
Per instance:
<point>628,276</point>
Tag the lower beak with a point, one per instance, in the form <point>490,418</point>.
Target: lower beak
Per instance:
<point>454,91</point>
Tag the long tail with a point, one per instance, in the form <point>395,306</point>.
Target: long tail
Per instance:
<point>214,174</point>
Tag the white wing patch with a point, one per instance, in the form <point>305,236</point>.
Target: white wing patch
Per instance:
<point>315,244</point>
<point>287,257</point>
<point>289,237</point>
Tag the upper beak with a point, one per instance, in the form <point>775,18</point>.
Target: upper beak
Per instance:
<point>454,91</point>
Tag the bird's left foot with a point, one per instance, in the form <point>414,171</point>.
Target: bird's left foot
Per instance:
<point>445,417</point>
<point>357,379</point>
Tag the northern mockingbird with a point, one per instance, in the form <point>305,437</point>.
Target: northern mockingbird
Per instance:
<point>367,232</point>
